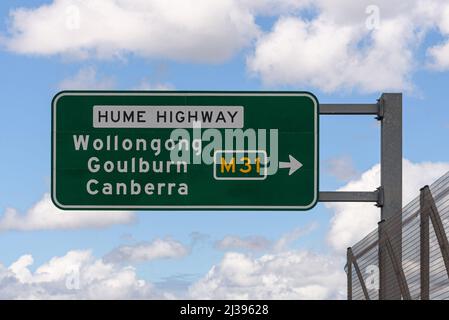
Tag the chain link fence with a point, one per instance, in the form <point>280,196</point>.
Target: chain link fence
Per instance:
<point>411,247</point>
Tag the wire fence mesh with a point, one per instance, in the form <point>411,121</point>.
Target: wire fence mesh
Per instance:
<point>411,249</point>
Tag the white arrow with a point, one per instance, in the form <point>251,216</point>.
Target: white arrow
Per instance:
<point>293,165</point>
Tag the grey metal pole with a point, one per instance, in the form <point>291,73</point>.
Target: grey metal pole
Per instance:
<point>382,256</point>
<point>391,181</point>
<point>349,272</point>
<point>389,196</point>
<point>350,196</point>
<point>424,246</point>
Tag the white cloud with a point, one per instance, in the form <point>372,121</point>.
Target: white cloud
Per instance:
<point>439,53</point>
<point>275,7</point>
<point>282,273</point>
<point>352,221</point>
<point>258,243</point>
<point>87,78</point>
<point>283,243</point>
<point>76,275</point>
<point>146,84</point>
<point>79,275</point>
<point>147,251</point>
<point>328,56</point>
<point>440,56</point>
<point>336,50</point>
<point>324,44</point>
<point>20,268</point>
<point>44,215</point>
<point>341,167</point>
<point>286,275</point>
<point>233,242</point>
<point>193,30</point>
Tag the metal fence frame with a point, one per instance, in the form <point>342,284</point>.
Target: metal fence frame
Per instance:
<point>425,214</point>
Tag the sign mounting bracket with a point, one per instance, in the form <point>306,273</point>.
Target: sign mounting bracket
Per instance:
<point>388,110</point>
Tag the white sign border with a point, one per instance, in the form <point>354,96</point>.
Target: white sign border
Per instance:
<point>174,207</point>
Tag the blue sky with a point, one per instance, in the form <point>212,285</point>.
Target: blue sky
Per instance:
<point>34,69</point>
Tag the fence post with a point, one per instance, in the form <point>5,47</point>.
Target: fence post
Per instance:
<point>394,276</point>
<point>349,272</point>
<point>424,246</point>
<point>438,226</point>
<point>382,256</point>
<point>359,275</point>
<point>391,181</point>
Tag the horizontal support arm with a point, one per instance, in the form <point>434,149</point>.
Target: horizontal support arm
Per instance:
<point>348,109</point>
<point>350,196</point>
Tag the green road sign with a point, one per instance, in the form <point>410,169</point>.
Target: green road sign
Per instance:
<point>185,150</point>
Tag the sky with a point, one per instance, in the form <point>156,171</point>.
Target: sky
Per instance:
<point>342,51</point>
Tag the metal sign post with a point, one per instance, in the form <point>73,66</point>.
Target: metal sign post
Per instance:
<point>388,196</point>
